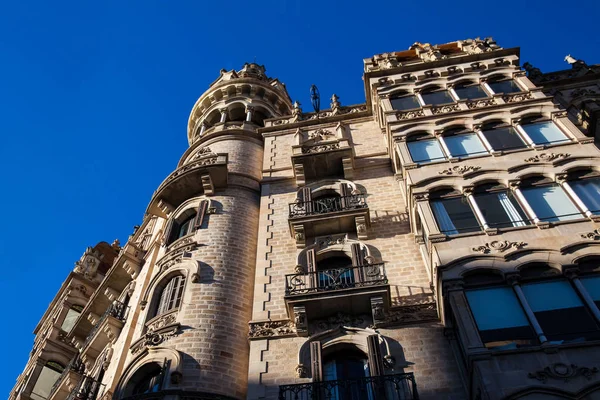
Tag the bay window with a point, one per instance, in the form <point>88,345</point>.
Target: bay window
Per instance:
<point>503,138</point>
<point>505,86</point>
<point>463,144</point>
<point>544,133</point>
<point>470,92</point>
<point>454,215</point>
<point>406,102</point>
<point>588,191</point>
<point>425,149</point>
<point>550,203</point>
<point>501,209</point>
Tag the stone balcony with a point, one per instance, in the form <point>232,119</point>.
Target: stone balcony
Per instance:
<point>332,158</point>
<point>329,215</point>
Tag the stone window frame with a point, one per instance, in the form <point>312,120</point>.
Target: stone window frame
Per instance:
<point>45,357</point>
<point>201,208</point>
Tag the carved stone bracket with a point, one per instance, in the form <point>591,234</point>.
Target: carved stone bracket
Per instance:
<point>299,172</point>
<point>361,228</point>
<point>301,371</point>
<point>498,246</point>
<point>410,114</point>
<point>459,169</point>
<point>326,241</point>
<point>299,236</point>
<point>271,329</point>
<point>377,310</point>
<point>563,372</point>
<point>301,320</point>
<point>546,157</point>
<point>154,338</point>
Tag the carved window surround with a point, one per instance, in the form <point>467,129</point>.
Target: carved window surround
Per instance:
<point>156,331</point>
<point>332,158</point>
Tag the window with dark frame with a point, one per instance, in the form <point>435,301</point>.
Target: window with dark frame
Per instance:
<point>500,208</point>
<point>437,97</point>
<point>505,86</point>
<point>48,376</point>
<point>588,191</point>
<point>454,215</point>
<point>503,138</point>
<point>171,295</point>
<point>549,201</point>
<point>405,102</point>
<point>470,91</point>
<point>186,224</point>
<point>425,149</point>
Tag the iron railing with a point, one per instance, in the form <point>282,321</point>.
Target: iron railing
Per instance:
<point>75,365</point>
<point>116,310</point>
<point>385,387</point>
<point>86,389</point>
<point>335,279</point>
<point>327,205</point>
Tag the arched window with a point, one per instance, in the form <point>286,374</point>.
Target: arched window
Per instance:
<point>586,185</point>
<point>502,136</point>
<point>50,373</point>
<point>348,365</point>
<point>462,142</point>
<point>424,148</point>
<point>499,207</point>
<point>453,213</point>
<point>148,379</point>
<point>506,86</point>
<point>436,97</point>
<point>404,101</point>
<point>170,295</point>
<point>186,223</point>
<point>71,317</point>
<point>548,200</point>
<point>335,272</point>
<point>468,90</point>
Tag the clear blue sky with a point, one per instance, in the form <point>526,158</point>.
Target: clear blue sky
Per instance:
<point>89,90</point>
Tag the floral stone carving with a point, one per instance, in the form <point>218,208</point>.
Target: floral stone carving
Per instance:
<point>546,157</point>
<point>593,235</point>
<point>459,169</point>
<point>564,372</point>
<point>498,246</point>
<point>270,329</point>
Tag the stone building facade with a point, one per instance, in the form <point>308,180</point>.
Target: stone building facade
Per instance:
<point>439,241</point>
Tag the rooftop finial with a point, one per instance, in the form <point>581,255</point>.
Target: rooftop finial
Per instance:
<point>315,98</point>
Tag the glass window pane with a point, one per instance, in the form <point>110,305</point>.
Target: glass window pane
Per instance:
<point>504,139</point>
<point>405,103</point>
<point>470,92</point>
<point>454,216</point>
<point>45,381</point>
<point>551,203</point>
<point>464,145</point>
<point>588,190</point>
<point>508,86</point>
<point>592,285</point>
<point>425,150</point>
<point>559,311</point>
<point>69,320</point>
<point>501,210</point>
<point>544,133</point>
<point>435,98</point>
<point>499,317</point>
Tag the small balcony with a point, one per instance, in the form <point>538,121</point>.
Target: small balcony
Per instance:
<point>70,377</point>
<point>385,387</point>
<point>86,389</point>
<point>329,215</point>
<point>106,330</point>
<point>326,291</point>
<point>333,158</point>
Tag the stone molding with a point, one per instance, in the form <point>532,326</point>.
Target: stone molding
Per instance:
<point>563,372</point>
<point>498,246</point>
<point>408,315</point>
<point>271,329</point>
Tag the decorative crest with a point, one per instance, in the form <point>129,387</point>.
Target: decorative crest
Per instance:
<point>315,98</point>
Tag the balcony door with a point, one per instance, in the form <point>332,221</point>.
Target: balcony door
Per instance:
<point>343,376</point>
<point>335,272</point>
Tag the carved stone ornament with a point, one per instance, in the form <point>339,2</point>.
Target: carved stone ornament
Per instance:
<point>445,109</point>
<point>333,322</point>
<point>481,103</point>
<point>459,169</point>
<point>563,372</point>
<point>478,46</point>
<point>175,255</point>
<point>319,148</point>
<point>301,371</point>
<point>546,157</point>
<point>498,246</point>
<point>320,134</point>
<point>583,92</point>
<point>410,114</point>
<point>408,314</point>
<point>271,329</point>
<point>154,338</point>
<point>332,240</point>
<point>593,235</point>
<point>515,98</point>
<point>203,152</point>
<point>89,263</point>
<point>163,321</point>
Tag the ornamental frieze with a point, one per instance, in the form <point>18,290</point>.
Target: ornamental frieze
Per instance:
<point>271,329</point>
<point>498,246</point>
<point>459,169</point>
<point>563,372</point>
<point>408,315</point>
<point>154,338</point>
<point>546,157</point>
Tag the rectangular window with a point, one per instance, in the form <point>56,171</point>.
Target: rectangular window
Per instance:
<point>43,385</point>
<point>455,216</point>
<point>592,285</point>
<point>588,190</point>
<point>508,86</point>
<point>500,318</point>
<point>465,145</point>
<point>405,102</point>
<point>425,150</point>
<point>501,210</point>
<point>504,139</point>
<point>435,98</point>
<point>70,319</point>
<point>551,203</point>
<point>470,92</point>
<point>559,311</point>
<point>545,133</point>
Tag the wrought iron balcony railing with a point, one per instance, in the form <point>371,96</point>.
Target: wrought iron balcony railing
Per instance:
<point>86,389</point>
<point>335,279</point>
<point>385,387</point>
<point>75,365</point>
<point>116,310</point>
<point>327,205</point>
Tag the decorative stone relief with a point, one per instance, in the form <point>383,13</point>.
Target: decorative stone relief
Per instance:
<point>203,152</point>
<point>593,235</point>
<point>563,372</point>
<point>301,371</point>
<point>319,148</point>
<point>408,314</point>
<point>336,321</point>
<point>478,46</point>
<point>89,263</point>
<point>498,246</point>
<point>326,241</point>
<point>410,114</point>
<point>271,329</point>
<point>154,338</point>
<point>515,98</point>
<point>546,157</point>
<point>320,134</point>
<point>163,321</point>
<point>300,320</point>
<point>445,109</point>
<point>459,169</point>
<point>377,309</point>
<point>481,103</point>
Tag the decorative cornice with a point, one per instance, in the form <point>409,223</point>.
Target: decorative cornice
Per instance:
<point>459,169</point>
<point>271,329</point>
<point>546,157</point>
<point>563,372</point>
<point>498,246</point>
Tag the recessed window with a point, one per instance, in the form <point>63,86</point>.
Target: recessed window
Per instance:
<point>464,145</point>
<point>70,318</point>
<point>501,210</point>
<point>500,318</point>
<point>335,273</point>
<point>470,92</point>
<point>436,98</point>
<point>506,86</point>
<point>148,379</point>
<point>426,150</point>
<point>559,311</point>
<point>506,138</point>
<point>48,376</point>
<point>551,203</point>
<point>171,294</point>
<point>592,286</point>
<point>350,366</point>
<point>545,133</point>
<point>405,102</point>
<point>454,215</point>
<point>588,190</point>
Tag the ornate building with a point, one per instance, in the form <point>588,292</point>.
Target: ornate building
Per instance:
<point>439,241</point>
